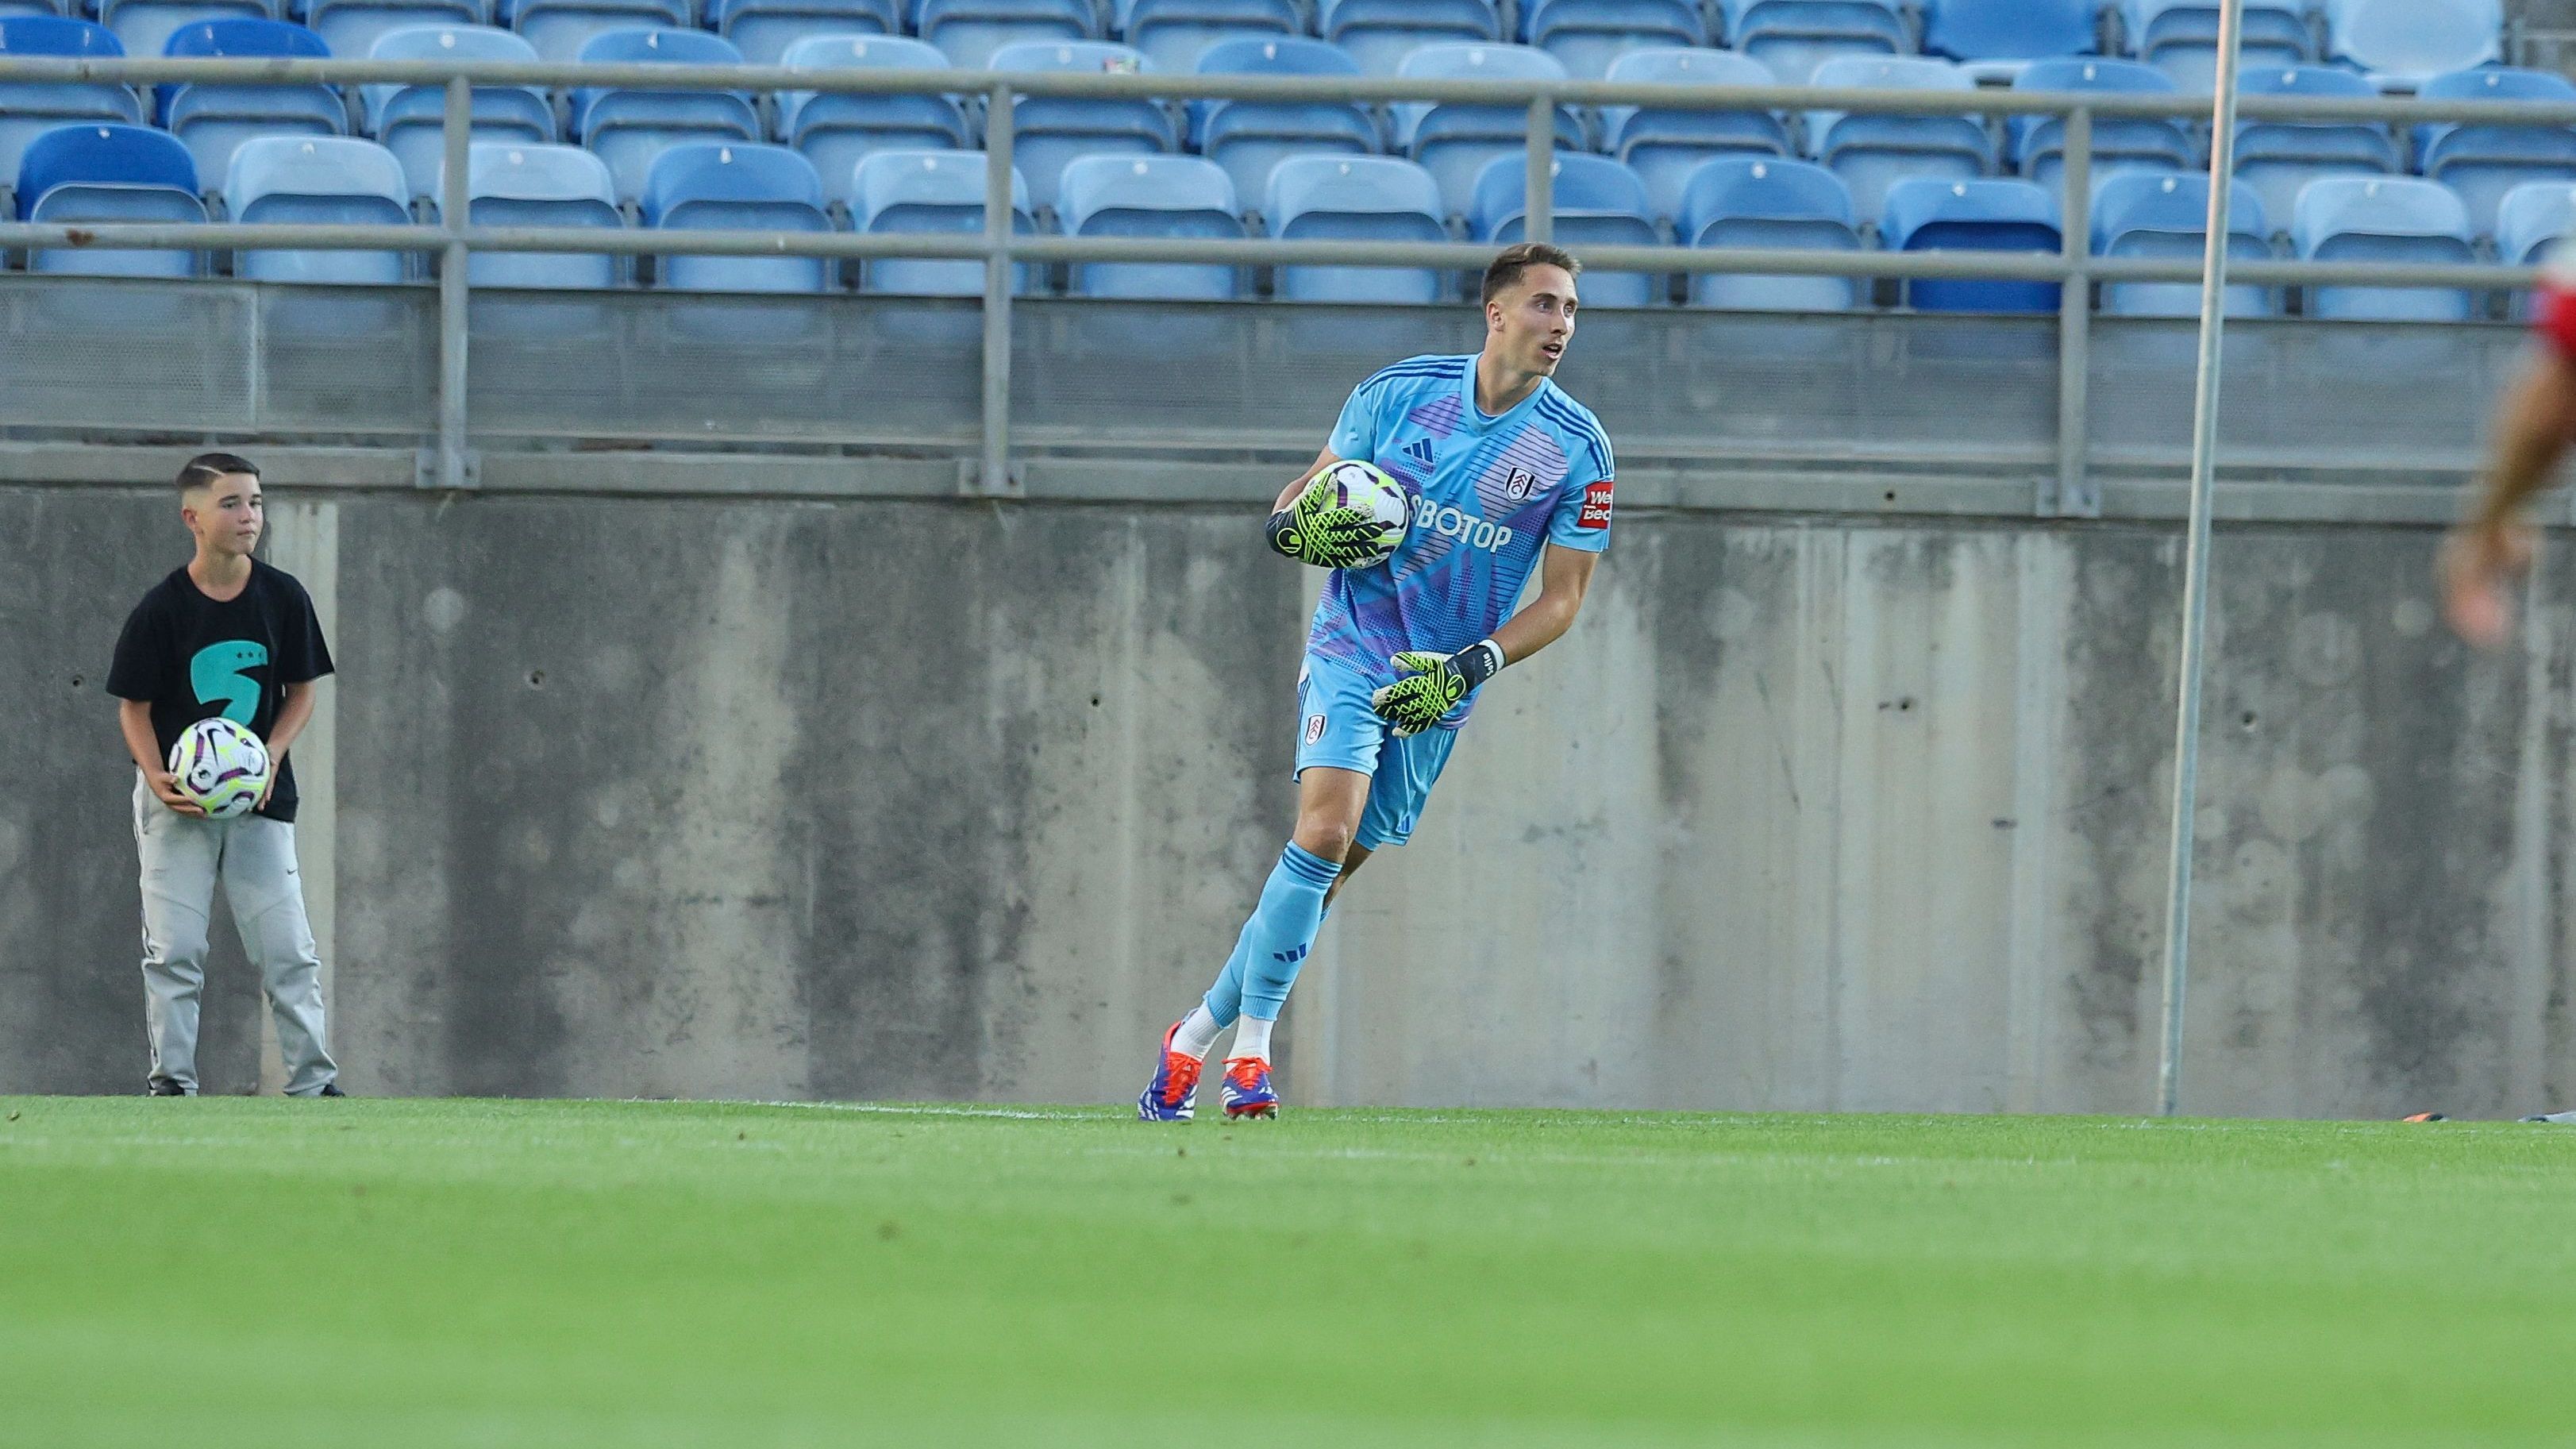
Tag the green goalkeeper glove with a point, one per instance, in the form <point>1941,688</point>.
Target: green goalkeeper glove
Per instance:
<point>1312,530</point>
<point>1433,684</point>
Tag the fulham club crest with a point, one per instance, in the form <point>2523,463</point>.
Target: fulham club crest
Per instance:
<point>1518,485</point>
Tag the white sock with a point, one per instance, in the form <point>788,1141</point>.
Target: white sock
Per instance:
<point>1198,1033</point>
<point>1251,1039</point>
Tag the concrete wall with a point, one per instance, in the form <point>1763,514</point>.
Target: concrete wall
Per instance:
<point>927,799</point>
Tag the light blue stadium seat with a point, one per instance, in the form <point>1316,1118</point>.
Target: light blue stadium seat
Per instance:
<point>1992,215</point>
<point>937,192</point>
<point>213,119</point>
<point>1665,146</point>
<point>352,27</point>
<point>1355,198</point>
<point>560,28</point>
<point>2120,143</point>
<point>2167,217</point>
<point>2279,158</point>
<point>29,109</point>
<point>2392,219</point>
<point>1872,152</point>
<point>322,181</point>
<point>763,29</point>
<point>2484,162</point>
<point>109,173</point>
<point>509,184</point>
<point>1379,34</point>
<point>1793,37</point>
<point>972,31</point>
<point>2530,218</point>
<point>408,119</point>
<point>1750,201</point>
<point>1049,131</point>
<point>1594,201</point>
<point>1247,138</point>
<point>144,27</point>
<point>1151,196</point>
<point>1589,36</point>
<point>835,131</point>
<point>2180,37</point>
<point>628,128</point>
<point>726,186</point>
<point>29,7</point>
<point>1992,37</point>
<point>1454,142</point>
<point>1172,35</point>
<point>2404,43</point>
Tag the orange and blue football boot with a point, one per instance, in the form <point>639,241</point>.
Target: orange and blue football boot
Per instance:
<point>1173,1094</point>
<point>1246,1090</point>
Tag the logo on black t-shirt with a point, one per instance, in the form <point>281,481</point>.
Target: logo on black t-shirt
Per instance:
<point>217,673</point>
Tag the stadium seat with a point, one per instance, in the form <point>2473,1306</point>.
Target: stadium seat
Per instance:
<point>2531,217</point>
<point>1247,138</point>
<point>319,180</point>
<point>931,191</point>
<point>352,27</point>
<point>1995,215</point>
<point>724,186</point>
<point>835,130</point>
<point>144,27</point>
<point>2390,219</point>
<point>1995,37</point>
<point>28,109</point>
<point>1355,198</point>
<point>2180,38</point>
<point>1664,146</point>
<point>2279,158</point>
<point>29,7</point>
<point>763,29</point>
<point>560,28</point>
<point>2167,217</point>
<point>1379,34</point>
<point>1747,201</point>
<point>1173,34</point>
<point>2120,143</point>
<point>508,184</point>
<point>1793,37</point>
<point>1049,131</point>
<point>628,128</point>
<point>1594,201</point>
<point>1589,36</point>
<point>2483,162</point>
<point>1872,152</point>
<point>971,32</point>
<point>1454,142</point>
<point>111,174</point>
<point>1151,196</point>
<point>408,120</point>
<point>2403,43</point>
<point>213,119</point>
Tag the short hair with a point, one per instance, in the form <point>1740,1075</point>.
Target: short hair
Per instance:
<point>1507,268</point>
<point>202,470</point>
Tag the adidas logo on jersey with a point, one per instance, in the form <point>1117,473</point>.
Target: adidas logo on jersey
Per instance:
<point>1419,450</point>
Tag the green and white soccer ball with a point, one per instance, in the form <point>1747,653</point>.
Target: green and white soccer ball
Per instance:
<point>220,767</point>
<point>1362,486</point>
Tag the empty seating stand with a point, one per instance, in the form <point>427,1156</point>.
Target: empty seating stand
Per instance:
<point>972,32</point>
<point>930,192</point>
<point>1183,197</point>
<point>1989,215</point>
<point>2483,162</point>
<point>1049,131</point>
<point>1663,146</point>
<point>324,181</point>
<point>2403,43</point>
<point>213,119</point>
<point>2279,158</point>
<point>409,120</point>
<point>1172,35</point>
<point>1593,201</point>
<point>1248,138</point>
<point>1588,36</point>
<point>2167,217</point>
<point>628,127</point>
<point>109,174</point>
<point>29,109</point>
<point>1453,142</point>
<point>720,186</point>
<point>1759,202</point>
<point>764,29</point>
<point>2120,143</point>
<point>1355,198</point>
<point>1871,151</point>
<point>2390,219</point>
<point>1794,37</point>
<point>836,130</point>
<point>1379,34</point>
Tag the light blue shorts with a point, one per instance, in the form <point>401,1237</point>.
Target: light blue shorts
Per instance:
<point>1336,728</point>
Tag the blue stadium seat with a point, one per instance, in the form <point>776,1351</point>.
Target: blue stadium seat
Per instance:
<point>1363,198</point>
<point>2404,43</point>
<point>834,131</point>
<point>144,27</point>
<point>931,191</point>
<point>2484,162</point>
<point>1747,201</point>
<point>2530,218</point>
<point>1172,35</point>
<point>972,31</point>
<point>1594,201</point>
<point>29,109</point>
<point>1665,146</point>
<point>408,119</point>
<point>2279,158</point>
<point>1379,34</point>
<point>318,180</point>
<point>1589,36</point>
<point>1993,36</point>
<point>508,184</point>
<point>2120,143</point>
<point>1454,142</point>
<point>1247,138</point>
<point>109,173</point>
<point>29,7</point>
<point>2167,217</point>
<point>1049,131</point>
<point>1793,37</point>
<point>1872,152</point>
<point>352,27</point>
<point>722,186</point>
<point>628,128</point>
<point>560,28</point>
<point>213,119</point>
<point>1151,196</point>
<point>763,29</point>
<point>2180,37</point>
<point>2393,219</point>
<point>1994,215</point>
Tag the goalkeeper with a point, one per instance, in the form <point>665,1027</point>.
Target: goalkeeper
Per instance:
<point>1503,474</point>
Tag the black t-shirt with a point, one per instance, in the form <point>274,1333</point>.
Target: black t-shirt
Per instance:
<point>192,658</point>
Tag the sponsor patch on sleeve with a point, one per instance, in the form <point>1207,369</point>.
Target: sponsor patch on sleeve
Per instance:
<point>1596,506</point>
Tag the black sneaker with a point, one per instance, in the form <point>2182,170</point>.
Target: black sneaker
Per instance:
<point>330,1089</point>
<point>164,1087</point>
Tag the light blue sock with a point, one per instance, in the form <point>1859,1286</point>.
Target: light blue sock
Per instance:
<point>1275,941</point>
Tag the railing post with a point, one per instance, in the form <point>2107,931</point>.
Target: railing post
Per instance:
<point>456,129</point>
<point>1540,207</point>
<point>993,480</point>
<point>2075,495</point>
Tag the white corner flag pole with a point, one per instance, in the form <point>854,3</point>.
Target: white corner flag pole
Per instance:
<point>2195,587</point>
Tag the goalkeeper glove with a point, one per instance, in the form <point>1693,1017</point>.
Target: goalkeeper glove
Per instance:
<point>1312,530</point>
<point>1433,684</point>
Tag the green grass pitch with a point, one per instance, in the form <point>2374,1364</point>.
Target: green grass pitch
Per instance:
<point>387,1273</point>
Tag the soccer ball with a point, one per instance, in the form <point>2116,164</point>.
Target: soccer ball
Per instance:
<point>221,767</point>
<point>1361,486</point>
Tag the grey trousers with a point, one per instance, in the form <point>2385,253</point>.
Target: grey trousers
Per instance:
<point>182,858</point>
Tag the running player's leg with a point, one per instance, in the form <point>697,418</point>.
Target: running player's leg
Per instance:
<point>179,856</point>
<point>267,896</point>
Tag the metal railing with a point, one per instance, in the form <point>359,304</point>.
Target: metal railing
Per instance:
<point>454,237</point>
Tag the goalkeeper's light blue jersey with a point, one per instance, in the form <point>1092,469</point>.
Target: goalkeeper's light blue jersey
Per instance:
<point>1485,494</point>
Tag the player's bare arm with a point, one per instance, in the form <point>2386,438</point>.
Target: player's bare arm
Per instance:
<point>2533,429</point>
<point>1565,576</point>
